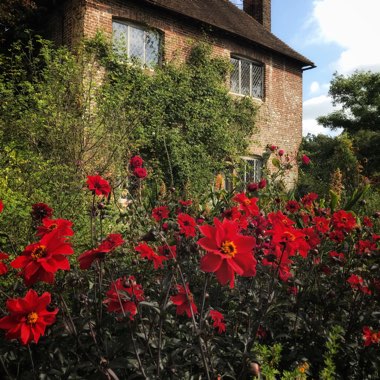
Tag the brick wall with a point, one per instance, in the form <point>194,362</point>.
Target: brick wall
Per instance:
<point>279,120</point>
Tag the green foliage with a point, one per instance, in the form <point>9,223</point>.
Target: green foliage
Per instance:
<point>63,116</point>
<point>332,347</point>
<point>359,97</point>
<point>327,155</point>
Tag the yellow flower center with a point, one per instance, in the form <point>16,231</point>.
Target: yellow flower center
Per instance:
<point>246,202</point>
<point>39,252</point>
<point>32,318</point>
<point>228,248</point>
<point>288,236</point>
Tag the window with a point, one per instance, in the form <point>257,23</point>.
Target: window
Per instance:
<point>137,42</point>
<point>252,167</point>
<point>247,77</point>
<point>249,170</point>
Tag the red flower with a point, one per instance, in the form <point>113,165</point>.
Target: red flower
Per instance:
<point>187,224</point>
<point>357,283</point>
<point>292,206</point>
<point>186,203</point>
<point>305,160</point>
<point>281,152</point>
<point>140,172</point>
<point>228,252</point>
<point>308,199</point>
<point>41,260</point>
<point>218,320</point>
<point>336,236</point>
<point>98,185</point>
<point>111,242</point>
<point>252,187</point>
<point>159,213</point>
<point>123,297</point>
<point>272,147</point>
<point>28,317</point>
<point>169,251</point>
<point>184,301</point>
<point>370,336</point>
<point>136,162</point>
<point>41,211</point>
<point>61,225</point>
<point>262,183</point>
<point>3,267</point>
<point>344,221</point>
<point>336,256</point>
<point>321,224</point>
<point>1,206</point>
<point>247,205</point>
<point>148,253</point>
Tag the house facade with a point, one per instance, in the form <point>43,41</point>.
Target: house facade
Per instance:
<point>264,67</point>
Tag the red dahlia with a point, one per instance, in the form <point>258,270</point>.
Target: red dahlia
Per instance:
<point>64,227</point>
<point>41,260</point>
<point>1,206</point>
<point>148,253</point>
<point>136,162</point>
<point>370,336</point>
<point>160,212</point>
<point>28,317</point>
<point>123,297</point>
<point>187,225</point>
<point>98,185</point>
<point>218,321</point>
<point>140,172</point>
<point>228,252</point>
<point>3,267</point>
<point>41,211</point>
<point>184,301</point>
<point>111,242</point>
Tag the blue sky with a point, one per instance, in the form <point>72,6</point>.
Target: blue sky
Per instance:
<point>337,35</point>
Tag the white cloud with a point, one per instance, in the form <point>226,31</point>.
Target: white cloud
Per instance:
<point>312,108</point>
<point>314,87</point>
<point>355,27</point>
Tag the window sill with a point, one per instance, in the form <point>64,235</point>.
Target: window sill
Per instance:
<point>258,100</point>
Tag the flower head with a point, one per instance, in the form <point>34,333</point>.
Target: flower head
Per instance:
<point>140,173</point>
<point>41,211</point>
<point>3,267</point>
<point>159,213</point>
<point>41,260</point>
<point>64,227</point>
<point>370,336</point>
<point>187,225</point>
<point>305,160</point>
<point>123,297</point>
<point>111,242</point>
<point>1,206</point>
<point>136,162</point>
<point>148,253</point>
<point>98,185</point>
<point>218,321</point>
<point>28,317</point>
<point>228,252</point>
<point>184,300</point>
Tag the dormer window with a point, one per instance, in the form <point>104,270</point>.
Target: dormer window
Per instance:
<point>247,78</point>
<point>138,43</point>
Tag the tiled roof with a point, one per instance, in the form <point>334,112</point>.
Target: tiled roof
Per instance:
<point>226,16</point>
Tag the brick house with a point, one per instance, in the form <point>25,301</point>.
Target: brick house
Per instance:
<point>265,68</point>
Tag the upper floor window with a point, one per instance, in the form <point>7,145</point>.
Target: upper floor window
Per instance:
<point>137,43</point>
<point>247,78</point>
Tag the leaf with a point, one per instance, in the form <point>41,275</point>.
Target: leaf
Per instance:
<point>276,163</point>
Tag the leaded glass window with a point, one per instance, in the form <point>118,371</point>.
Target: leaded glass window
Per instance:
<point>247,77</point>
<point>138,43</point>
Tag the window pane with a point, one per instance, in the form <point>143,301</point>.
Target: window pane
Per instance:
<point>120,37</point>
<point>136,43</point>
<point>152,48</point>
<point>235,76</point>
<point>257,81</point>
<point>253,169</point>
<point>245,78</point>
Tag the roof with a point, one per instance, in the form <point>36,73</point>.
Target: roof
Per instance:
<point>224,15</point>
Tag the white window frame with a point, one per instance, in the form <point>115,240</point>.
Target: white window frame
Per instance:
<point>256,163</point>
<point>131,25</point>
<point>252,65</point>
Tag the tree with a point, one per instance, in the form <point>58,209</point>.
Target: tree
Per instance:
<point>359,97</point>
